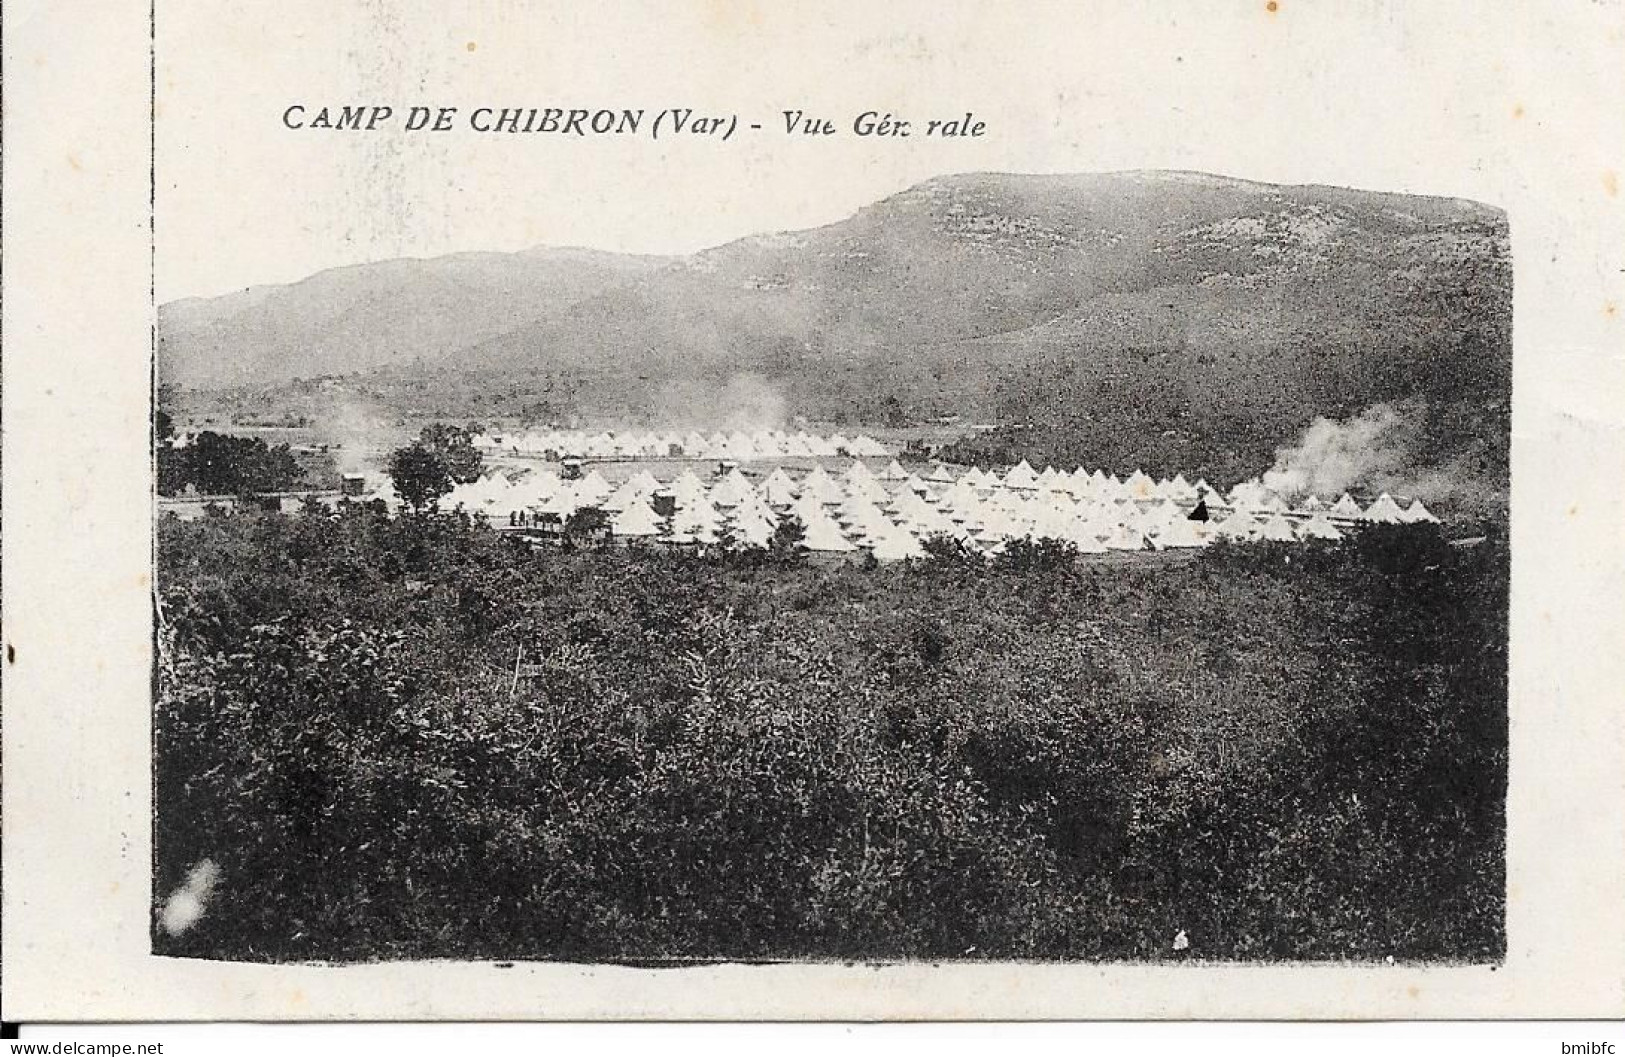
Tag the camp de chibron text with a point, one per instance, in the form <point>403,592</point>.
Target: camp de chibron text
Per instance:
<point>582,121</point>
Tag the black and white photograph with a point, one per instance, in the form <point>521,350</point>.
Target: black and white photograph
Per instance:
<point>731,512</point>
<point>1026,567</point>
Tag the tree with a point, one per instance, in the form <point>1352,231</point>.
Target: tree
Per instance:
<point>788,534</point>
<point>217,464</point>
<point>1037,555</point>
<point>585,524</point>
<point>941,549</point>
<point>420,476</point>
<point>454,447</point>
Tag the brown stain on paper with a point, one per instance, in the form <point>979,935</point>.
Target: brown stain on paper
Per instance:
<point>1610,183</point>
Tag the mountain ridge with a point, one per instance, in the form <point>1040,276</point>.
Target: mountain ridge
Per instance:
<point>1155,315</point>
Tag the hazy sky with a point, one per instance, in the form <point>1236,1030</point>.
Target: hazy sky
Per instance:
<point>1289,95</point>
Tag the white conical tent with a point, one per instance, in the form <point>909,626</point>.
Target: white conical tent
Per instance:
<point>779,488</point>
<point>824,536</point>
<point>931,522</point>
<point>687,488</point>
<point>1166,510</point>
<point>1140,486</point>
<point>893,472</point>
<point>807,508</point>
<point>1052,521</point>
<point>1101,523</point>
<point>821,486</point>
<point>897,546</point>
<point>1384,511</point>
<point>753,531</point>
<point>1345,507</point>
<point>1182,533</point>
<point>1238,526</point>
<point>940,475</point>
<point>733,489</point>
<point>1021,475</point>
<point>695,524</point>
<point>870,523</point>
<point>1087,542</point>
<point>1311,505</point>
<point>866,447</point>
<point>910,504</point>
<point>756,507</point>
<point>1277,529</point>
<point>637,520</point>
<point>963,492</point>
<point>506,502</point>
<point>966,511</point>
<point>869,489</point>
<point>996,525</point>
<point>1419,513</point>
<point>533,490</point>
<point>625,494</point>
<point>1319,528</point>
<point>593,488</point>
<point>1124,538</point>
<point>1056,489</point>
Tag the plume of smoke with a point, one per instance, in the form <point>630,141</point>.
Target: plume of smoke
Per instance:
<point>1374,450</point>
<point>186,904</point>
<point>744,402</point>
<point>357,435</point>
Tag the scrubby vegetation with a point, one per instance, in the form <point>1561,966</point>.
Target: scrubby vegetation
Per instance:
<point>219,464</point>
<point>410,737</point>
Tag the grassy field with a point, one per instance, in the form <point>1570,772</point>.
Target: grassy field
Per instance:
<point>1284,752</point>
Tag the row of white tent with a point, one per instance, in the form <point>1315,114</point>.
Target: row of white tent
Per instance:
<point>735,445</point>
<point>891,515</point>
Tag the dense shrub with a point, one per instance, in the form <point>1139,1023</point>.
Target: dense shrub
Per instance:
<point>220,464</point>
<point>408,736</point>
